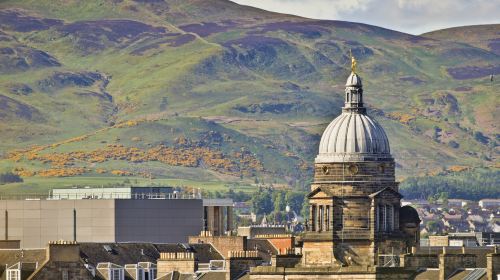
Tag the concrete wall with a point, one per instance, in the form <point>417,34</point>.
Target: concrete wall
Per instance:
<point>158,220</point>
<point>36,222</point>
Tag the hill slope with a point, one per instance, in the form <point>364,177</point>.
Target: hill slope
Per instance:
<point>214,91</point>
<point>486,37</point>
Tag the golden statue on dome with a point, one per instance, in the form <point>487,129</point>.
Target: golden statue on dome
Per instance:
<point>353,63</point>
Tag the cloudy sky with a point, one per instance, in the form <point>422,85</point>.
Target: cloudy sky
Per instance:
<point>410,16</point>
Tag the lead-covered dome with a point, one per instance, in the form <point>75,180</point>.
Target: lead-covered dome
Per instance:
<point>353,136</point>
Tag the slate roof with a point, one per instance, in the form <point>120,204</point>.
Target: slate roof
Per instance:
<point>375,194</point>
<point>428,274</point>
<point>9,257</point>
<point>120,254</point>
<point>264,247</point>
<point>203,252</point>
<point>214,275</point>
<point>320,189</point>
<point>132,253</point>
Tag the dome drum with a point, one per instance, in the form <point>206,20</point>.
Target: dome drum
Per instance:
<point>376,171</point>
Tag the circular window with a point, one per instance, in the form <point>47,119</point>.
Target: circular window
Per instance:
<point>381,168</point>
<point>326,170</point>
<point>353,169</point>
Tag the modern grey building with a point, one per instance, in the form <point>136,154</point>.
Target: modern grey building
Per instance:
<point>36,222</point>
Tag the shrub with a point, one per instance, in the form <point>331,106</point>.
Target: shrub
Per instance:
<point>9,177</point>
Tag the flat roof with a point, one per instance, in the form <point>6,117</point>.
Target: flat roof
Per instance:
<point>217,202</point>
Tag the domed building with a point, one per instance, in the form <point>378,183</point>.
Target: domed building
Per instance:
<point>356,227</point>
<point>354,199</point>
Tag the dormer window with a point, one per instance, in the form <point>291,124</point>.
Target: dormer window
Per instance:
<point>14,272</point>
<point>114,271</point>
<point>116,274</point>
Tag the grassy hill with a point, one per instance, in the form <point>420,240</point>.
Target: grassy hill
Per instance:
<point>212,93</point>
<point>485,37</point>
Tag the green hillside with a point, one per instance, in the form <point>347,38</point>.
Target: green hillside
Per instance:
<point>209,93</point>
<point>482,36</point>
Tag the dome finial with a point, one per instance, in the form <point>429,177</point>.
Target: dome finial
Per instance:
<point>353,62</point>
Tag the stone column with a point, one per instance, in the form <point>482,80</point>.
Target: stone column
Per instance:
<point>373,219</point>
<point>311,217</point>
<point>316,217</point>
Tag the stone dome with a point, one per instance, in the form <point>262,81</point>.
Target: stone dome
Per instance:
<point>408,214</point>
<point>353,136</point>
<point>353,81</point>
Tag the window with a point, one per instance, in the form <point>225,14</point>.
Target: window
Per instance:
<point>140,274</point>
<point>385,218</point>
<point>116,274</point>
<point>389,216</point>
<point>380,218</point>
<point>13,274</point>
<point>65,275</point>
<point>327,226</point>
<point>321,218</point>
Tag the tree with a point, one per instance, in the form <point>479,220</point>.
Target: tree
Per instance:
<point>262,202</point>
<point>279,201</point>
<point>304,212</point>
<point>443,197</point>
<point>432,226</point>
<point>10,177</point>
<point>295,200</point>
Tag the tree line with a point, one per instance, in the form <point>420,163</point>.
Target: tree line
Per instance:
<point>471,185</point>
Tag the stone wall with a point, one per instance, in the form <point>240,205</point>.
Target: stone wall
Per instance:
<point>420,261</point>
<point>288,260</point>
<point>374,171</point>
<point>62,270</point>
<point>240,262</point>
<point>438,240</point>
<point>493,265</point>
<point>63,262</point>
<point>301,273</point>
<point>181,262</point>
<point>449,263</point>
<point>223,244</point>
<point>318,253</point>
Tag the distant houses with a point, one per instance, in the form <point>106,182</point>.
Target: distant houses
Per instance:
<point>457,215</point>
